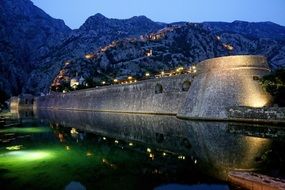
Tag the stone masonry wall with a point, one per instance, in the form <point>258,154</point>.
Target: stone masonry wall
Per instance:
<point>156,96</point>
<point>225,82</point>
<point>219,83</point>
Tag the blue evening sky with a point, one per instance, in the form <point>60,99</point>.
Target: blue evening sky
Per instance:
<point>75,12</point>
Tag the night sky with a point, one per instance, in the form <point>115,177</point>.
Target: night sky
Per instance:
<point>75,12</point>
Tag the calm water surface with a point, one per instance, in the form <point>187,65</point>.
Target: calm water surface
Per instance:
<point>87,150</point>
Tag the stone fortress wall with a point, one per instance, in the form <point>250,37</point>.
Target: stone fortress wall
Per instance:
<point>226,82</point>
<point>155,96</point>
<point>218,84</point>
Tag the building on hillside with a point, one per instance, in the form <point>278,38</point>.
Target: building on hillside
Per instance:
<point>76,81</point>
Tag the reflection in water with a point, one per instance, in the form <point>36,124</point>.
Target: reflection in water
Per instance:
<point>92,150</point>
<point>27,155</point>
<point>25,130</point>
<point>208,144</point>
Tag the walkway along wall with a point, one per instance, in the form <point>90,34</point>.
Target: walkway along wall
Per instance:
<point>219,83</point>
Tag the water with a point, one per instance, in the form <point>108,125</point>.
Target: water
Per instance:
<point>88,150</point>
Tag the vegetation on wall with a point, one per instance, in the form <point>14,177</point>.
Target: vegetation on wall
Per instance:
<point>274,83</point>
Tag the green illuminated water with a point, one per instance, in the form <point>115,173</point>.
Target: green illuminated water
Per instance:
<point>118,151</point>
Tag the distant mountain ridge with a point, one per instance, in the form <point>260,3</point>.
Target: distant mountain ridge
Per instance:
<point>35,47</point>
<point>249,29</point>
<point>132,26</point>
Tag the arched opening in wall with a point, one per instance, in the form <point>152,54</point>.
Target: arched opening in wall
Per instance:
<point>158,89</point>
<point>186,85</point>
<point>256,78</point>
<point>26,101</point>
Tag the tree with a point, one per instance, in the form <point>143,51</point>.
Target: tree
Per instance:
<point>274,83</point>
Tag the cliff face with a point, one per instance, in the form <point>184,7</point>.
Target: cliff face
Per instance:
<point>26,34</point>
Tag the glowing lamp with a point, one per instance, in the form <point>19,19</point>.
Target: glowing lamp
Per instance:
<point>89,56</point>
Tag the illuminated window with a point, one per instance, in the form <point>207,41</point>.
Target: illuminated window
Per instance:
<point>256,78</point>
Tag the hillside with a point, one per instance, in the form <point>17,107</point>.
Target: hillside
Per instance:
<point>26,34</point>
<point>35,48</point>
<point>171,47</point>
<point>96,32</point>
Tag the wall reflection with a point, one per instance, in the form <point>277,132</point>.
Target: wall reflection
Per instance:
<point>212,146</point>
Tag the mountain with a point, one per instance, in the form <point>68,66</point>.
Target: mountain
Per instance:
<point>36,50</point>
<point>249,29</point>
<point>167,49</point>
<point>96,32</point>
<point>175,45</point>
<point>129,27</point>
<point>26,34</point>
<point>265,38</point>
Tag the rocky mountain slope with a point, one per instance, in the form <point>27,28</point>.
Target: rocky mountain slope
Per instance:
<point>249,29</point>
<point>169,48</point>
<point>36,50</point>
<point>97,31</point>
<point>31,39</point>
<point>172,48</point>
<point>26,34</point>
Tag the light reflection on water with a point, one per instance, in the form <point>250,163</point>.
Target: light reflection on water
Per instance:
<point>125,151</point>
